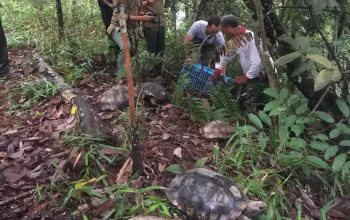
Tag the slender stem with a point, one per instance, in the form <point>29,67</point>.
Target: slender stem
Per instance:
<point>320,100</point>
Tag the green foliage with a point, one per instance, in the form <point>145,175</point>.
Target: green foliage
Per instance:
<point>34,91</point>
<point>296,150</point>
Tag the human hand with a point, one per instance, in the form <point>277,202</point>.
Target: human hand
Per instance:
<point>216,75</point>
<point>240,79</point>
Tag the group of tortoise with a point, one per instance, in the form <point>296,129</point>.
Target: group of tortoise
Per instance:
<point>201,194</point>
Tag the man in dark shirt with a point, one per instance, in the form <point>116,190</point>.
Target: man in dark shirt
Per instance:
<point>4,62</point>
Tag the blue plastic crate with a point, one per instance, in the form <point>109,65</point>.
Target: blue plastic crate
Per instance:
<point>199,77</point>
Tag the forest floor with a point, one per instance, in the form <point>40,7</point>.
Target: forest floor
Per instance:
<point>38,166</point>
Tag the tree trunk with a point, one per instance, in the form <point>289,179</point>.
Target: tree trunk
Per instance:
<point>59,16</point>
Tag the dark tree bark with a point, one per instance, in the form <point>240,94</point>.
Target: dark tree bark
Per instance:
<point>274,26</point>
<point>59,16</point>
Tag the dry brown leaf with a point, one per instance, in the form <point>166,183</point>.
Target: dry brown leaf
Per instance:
<point>59,112</point>
<point>109,151</point>
<point>165,136</point>
<point>105,206</point>
<point>125,172</point>
<point>177,152</point>
<point>3,154</point>
<point>161,167</point>
<point>9,132</point>
<point>33,174</point>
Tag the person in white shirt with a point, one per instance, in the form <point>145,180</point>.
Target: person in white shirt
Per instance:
<point>208,34</point>
<point>248,54</point>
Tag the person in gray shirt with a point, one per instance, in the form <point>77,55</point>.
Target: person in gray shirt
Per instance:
<point>204,41</point>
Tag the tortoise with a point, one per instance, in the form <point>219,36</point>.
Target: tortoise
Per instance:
<point>204,194</point>
<point>155,92</point>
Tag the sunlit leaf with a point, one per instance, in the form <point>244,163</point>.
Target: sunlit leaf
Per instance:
<point>326,77</point>
<point>322,61</point>
<point>283,60</point>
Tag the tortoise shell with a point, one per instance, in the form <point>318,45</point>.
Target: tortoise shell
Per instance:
<point>155,90</point>
<point>205,194</point>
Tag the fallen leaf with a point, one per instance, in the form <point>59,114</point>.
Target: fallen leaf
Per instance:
<point>165,136</point>
<point>105,206</point>
<point>3,154</point>
<point>83,207</point>
<point>59,112</point>
<point>9,132</point>
<point>13,174</point>
<point>33,174</point>
<point>109,151</point>
<point>161,167</point>
<point>177,152</point>
<point>148,218</point>
<point>125,172</point>
<point>77,159</point>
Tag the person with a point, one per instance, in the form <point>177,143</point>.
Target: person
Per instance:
<point>132,11</point>
<point>154,30</point>
<point>106,15</point>
<point>207,40</point>
<point>4,61</point>
<point>248,53</point>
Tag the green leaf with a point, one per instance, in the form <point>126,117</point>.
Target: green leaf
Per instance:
<point>284,93</point>
<point>270,92</point>
<point>343,128</point>
<point>325,116</point>
<point>283,60</point>
<point>338,162</point>
<point>262,140</point>
<point>334,133</point>
<point>303,120</point>
<point>290,158</point>
<point>275,111</point>
<point>343,107</point>
<point>319,145</point>
<point>317,58</point>
<point>297,129</point>
<point>290,120</point>
<point>247,129</point>
<point>306,66</point>
<point>265,118</point>
<point>288,39</point>
<point>321,137</point>
<point>255,120</point>
<point>318,162</point>
<point>331,152</point>
<point>175,168</point>
<point>345,143</point>
<point>271,105</point>
<point>200,163</point>
<point>297,143</point>
<point>345,173</point>
<point>283,134</point>
<point>326,77</point>
<point>301,109</point>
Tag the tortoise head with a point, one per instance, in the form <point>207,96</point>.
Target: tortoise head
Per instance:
<point>254,208</point>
